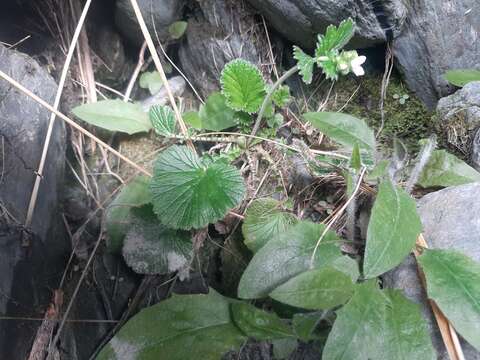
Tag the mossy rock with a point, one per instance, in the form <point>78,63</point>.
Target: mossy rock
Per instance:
<point>409,121</point>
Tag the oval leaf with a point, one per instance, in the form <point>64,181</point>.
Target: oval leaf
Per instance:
<point>243,86</point>
<point>265,220</point>
<point>453,281</point>
<point>118,218</point>
<point>344,129</point>
<point>462,77</point>
<point>445,169</point>
<point>315,289</point>
<point>151,248</point>
<point>114,115</point>
<point>287,256</point>
<point>259,324</point>
<point>188,192</point>
<point>392,231</point>
<point>177,328</point>
<point>376,325</point>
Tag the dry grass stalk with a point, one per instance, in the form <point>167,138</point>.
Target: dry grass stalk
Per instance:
<point>338,214</point>
<point>84,57</point>
<point>136,72</point>
<point>66,66</point>
<point>158,65</point>
<point>42,338</point>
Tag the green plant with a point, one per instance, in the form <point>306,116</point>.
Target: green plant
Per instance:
<point>297,263</point>
<point>462,77</point>
<point>177,29</point>
<point>402,98</point>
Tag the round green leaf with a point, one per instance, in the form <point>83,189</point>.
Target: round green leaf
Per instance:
<point>259,324</point>
<point>182,327</point>
<point>265,220</point>
<point>243,86</point>
<point>189,192</point>
<point>315,289</point>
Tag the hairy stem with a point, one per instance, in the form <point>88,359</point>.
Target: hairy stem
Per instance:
<point>267,99</point>
<point>222,136</point>
<point>351,211</point>
<point>422,160</point>
<point>337,215</point>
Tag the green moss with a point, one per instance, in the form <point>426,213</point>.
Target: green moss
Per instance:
<point>408,122</point>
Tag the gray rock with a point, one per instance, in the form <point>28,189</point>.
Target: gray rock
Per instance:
<point>24,291</point>
<point>463,104</point>
<point>158,15</point>
<point>450,221</point>
<point>301,20</point>
<point>112,65</point>
<point>459,115</point>
<point>438,36</point>
<point>107,297</point>
<point>447,224</point>
<point>221,31</point>
<point>30,259</point>
<point>177,87</point>
<point>23,128</point>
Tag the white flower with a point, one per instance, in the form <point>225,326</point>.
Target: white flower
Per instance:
<point>356,65</point>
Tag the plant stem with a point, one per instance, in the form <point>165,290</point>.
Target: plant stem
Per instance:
<point>234,137</point>
<point>337,215</point>
<point>204,138</point>
<point>267,99</point>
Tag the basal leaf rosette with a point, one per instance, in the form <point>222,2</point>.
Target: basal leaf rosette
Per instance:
<point>191,192</point>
